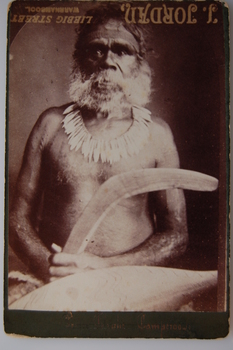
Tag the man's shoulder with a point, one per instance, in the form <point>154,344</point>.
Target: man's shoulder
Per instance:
<point>52,115</point>
<point>48,124</point>
<point>50,120</point>
<point>160,128</point>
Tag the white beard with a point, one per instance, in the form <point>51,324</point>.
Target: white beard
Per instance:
<point>108,90</point>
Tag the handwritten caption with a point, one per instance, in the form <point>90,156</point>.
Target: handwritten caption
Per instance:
<point>100,321</point>
<point>163,14</point>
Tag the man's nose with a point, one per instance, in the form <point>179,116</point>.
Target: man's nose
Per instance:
<point>109,60</point>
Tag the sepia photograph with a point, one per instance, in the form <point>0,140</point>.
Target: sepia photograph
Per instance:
<point>117,169</point>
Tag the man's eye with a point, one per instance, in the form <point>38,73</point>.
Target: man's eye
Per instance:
<point>98,53</point>
<point>95,52</point>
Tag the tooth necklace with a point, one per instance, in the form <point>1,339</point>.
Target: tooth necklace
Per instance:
<point>94,149</point>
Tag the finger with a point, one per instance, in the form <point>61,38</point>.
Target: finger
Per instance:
<point>62,271</point>
<point>63,259</point>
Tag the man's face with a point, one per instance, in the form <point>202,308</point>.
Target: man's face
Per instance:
<point>110,73</point>
<point>111,47</point>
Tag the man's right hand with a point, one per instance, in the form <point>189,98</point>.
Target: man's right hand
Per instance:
<point>63,264</point>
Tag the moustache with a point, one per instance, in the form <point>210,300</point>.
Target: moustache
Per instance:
<point>107,79</point>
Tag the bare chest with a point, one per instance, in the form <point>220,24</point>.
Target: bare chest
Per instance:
<point>71,167</point>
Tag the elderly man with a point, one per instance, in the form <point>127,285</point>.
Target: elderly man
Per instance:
<point>73,149</point>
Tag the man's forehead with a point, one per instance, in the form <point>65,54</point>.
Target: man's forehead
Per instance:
<point>113,30</point>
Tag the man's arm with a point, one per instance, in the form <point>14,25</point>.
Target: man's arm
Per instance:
<point>171,235</point>
<point>160,248</point>
<point>23,237</point>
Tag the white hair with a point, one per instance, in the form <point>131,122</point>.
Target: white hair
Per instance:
<point>118,92</point>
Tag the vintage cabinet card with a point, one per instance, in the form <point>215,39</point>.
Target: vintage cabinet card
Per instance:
<point>117,169</point>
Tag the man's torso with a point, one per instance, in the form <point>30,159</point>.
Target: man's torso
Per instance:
<point>69,182</point>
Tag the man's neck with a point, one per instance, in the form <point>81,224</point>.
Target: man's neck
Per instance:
<point>118,112</point>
